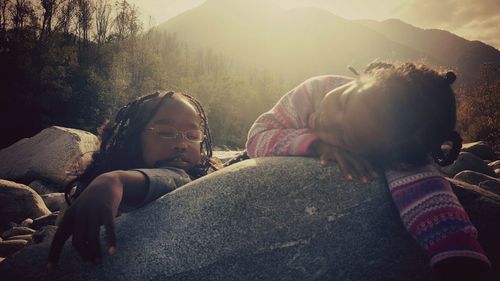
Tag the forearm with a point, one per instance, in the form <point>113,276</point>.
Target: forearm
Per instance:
<point>264,142</point>
<point>130,187</point>
<point>158,182</point>
<point>433,215</point>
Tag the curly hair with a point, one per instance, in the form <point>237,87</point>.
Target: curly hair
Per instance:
<point>420,112</point>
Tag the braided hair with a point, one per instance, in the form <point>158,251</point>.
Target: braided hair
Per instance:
<point>421,113</point>
<point>121,148</point>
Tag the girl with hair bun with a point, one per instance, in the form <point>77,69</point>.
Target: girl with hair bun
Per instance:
<point>395,118</point>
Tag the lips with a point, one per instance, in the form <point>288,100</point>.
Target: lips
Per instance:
<point>177,161</point>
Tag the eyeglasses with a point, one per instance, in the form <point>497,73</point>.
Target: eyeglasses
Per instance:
<point>170,133</point>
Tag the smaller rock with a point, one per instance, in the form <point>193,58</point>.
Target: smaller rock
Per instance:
<point>49,219</point>
<point>17,202</point>
<point>494,164</point>
<point>481,149</point>
<point>225,155</point>
<point>497,172</point>
<point>44,234</point>
<point>27,237</point>
<point>491,185</point>
<point>8,247</point>
<point>468,161</point>
<point>43,187</point>
<point>54,201</point>
<point>472,177</point>
<point>18,230</point>
<point>27,222</point>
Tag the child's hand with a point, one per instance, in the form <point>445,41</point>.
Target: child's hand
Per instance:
<point>97,205</point>
<point>351,164</point>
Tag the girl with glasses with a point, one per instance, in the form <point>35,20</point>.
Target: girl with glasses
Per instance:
<point>156,144</point>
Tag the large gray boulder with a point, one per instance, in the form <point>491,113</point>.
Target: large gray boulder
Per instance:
<point>262,219</point>
<point>56,154</point>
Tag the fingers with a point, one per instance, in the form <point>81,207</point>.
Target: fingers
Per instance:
<point>344,165</point>
<point>109,225</point>
<point>324,159</point>
<point>350,164</point>
<point>79,239</point>
<point>92,236</point>
<point>334,155</point>
<point>370,170</point>
<point>360,166</point>
<point>62,234</point>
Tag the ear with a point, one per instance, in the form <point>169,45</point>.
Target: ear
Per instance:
<point>450,77</point>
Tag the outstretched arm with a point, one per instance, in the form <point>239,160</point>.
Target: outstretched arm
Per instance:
<point>99,203</point>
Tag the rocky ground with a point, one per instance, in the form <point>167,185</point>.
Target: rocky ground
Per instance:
<point>269,221</point>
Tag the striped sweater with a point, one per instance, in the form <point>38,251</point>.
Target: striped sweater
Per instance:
<point>426,203</point>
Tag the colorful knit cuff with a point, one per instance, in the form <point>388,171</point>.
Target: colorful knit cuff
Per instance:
<point>432,214</point>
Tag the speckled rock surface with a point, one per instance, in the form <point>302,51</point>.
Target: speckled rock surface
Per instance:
<point>263,219</point>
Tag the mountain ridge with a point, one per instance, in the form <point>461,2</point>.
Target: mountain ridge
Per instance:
<point>301,42</point>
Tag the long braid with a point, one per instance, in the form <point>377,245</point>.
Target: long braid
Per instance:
<point>206,145</point>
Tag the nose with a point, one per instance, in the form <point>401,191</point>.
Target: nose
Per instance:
<point>180,143</point>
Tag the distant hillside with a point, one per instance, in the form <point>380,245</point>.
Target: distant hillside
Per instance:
<point>446,49</point>
<point>302,42</point>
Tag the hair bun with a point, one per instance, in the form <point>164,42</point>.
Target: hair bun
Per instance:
<point>450,77</point>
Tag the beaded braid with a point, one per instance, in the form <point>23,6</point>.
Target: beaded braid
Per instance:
<point>206,145</point>
<point>118,136</point>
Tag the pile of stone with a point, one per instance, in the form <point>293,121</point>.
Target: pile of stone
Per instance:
<point>478,164</point>
<point>33,174</point>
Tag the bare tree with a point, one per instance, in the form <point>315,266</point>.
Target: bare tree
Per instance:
<point>66,13</point>
<point>84,19</point>
<point>4,5</point>
<point>126,22</point>
<point>134,24</point>
<point>49,8</point>
<point>102,20</point>
<point>20,13</point>
<point>120,21</point>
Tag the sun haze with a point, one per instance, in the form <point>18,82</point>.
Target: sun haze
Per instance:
<point>471,19</point>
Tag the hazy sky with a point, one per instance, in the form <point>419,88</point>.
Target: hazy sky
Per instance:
<point>471,19</point>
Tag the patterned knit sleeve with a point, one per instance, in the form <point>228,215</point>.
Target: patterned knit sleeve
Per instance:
<point>432,214</point>
<point>283,130</point>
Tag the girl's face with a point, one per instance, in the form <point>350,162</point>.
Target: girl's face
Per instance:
<point>350,117</point>
<point>161,146</point>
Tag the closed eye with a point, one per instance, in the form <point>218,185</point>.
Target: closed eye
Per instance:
<point>167,134</point>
